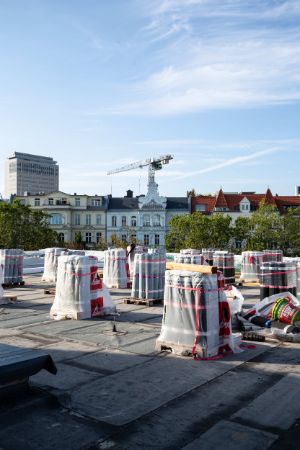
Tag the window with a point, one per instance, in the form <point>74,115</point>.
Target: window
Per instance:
<point>37,202</point>
<point>123,221</point>
<point>98,219</point>
<point>77,201</point>
<point>61,237</point>
<point>200,207</point>
<point>123,237</point>
<point>88,219</point>
<point>77,219</point>
<point>96,202</point>
<point>63,201</point>
<point>146,220</point>
<point>156,220</point>
<point>98,237</point>
<point>156,239</point>
<point>133,221</point>
<point>146,239</point>
<point>88,237</point>
<point>50,201</point>
<point>56,219</point>
<point>114,221</point>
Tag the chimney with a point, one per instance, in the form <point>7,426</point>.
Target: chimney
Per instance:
<point>129,193</point>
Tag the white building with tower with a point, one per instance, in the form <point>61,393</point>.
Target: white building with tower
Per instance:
<point>32,174</point>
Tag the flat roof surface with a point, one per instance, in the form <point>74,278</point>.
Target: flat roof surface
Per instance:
<point>113,391</point>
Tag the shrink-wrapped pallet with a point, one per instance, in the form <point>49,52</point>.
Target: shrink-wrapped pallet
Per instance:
<point>190,251</point>
<point>224,261</point>
<point>50,263</point>
<point>276,277</point>
<point>250,269</point>
<point>208,255</point>
<point>79,293</point>
<point>191,314</point>
<point>11,261</point>
<point>298,280</point>
<point>115,268</point>
<point>272,255</point>
<point>1,282</point>
<point>149,275</point>
<point>186,258</point>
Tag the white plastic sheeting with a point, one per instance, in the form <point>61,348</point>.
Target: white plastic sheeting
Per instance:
<point>50,263</point>
<point>115,268</point>
<point>149,276</point>
<point>80,293</point>
<point>298,280</point>
<point>11,261</point>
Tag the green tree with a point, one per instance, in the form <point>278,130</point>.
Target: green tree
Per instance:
<point>179,230</point>
<point>241,230</point>
<point>266,226</point>
<point>290,236</point>
<point>22,227</point>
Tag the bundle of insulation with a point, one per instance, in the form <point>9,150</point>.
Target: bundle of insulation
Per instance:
<point>208,255</point>
<point>195,320</point>
<point>272,255</point>
<point>80,293</point>
<point>11,260</point>
<point>276,277</point>
<point>149,276</point>
<point>50,263</point>
<point>224,261</point>
<point>251,262</point>
<point>115,273</point>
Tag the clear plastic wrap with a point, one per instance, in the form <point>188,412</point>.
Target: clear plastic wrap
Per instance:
<point>298,280</point>
<point>277,277</point>
<point>224,261</point>
<point>251,262</point>
<point>149,275</point>
<point>115,268</point>
<point>11,260</point>
<point>79,289</point>
<point>272,255</point>
<point>191,314</point>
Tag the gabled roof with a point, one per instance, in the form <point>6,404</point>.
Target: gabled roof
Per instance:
<point>221,200</point>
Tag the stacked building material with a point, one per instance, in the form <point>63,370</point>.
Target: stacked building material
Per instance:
<point>115,268</point>
<point>251,262</point>
<point>272,255</point>
<point>11,261</point>
<point>189,259</point>
<point>50,263</point>
<point>208,255</point>
<point>79,291</point>
<point>190,251</point>
<point>191,314</point>
<point>276,277</point>
<point>224,261</point>
<point>149,276</point>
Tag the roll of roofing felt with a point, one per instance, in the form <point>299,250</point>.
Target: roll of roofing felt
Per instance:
<point>251,262</point>
<point>272,255</point>
<point>224,261</point>
<point>276,277</point>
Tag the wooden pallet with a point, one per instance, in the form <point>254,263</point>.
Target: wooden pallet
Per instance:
<point>8,299</point>
<point>50,291</point>
<point>13,285</point>
<point>143,301</point>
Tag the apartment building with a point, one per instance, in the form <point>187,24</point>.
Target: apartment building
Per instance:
<point>26,173</point>
<point>72,213</point>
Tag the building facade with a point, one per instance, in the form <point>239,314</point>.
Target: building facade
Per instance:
<point>241,204</point>
<point>73,214</point>
<point>30,173</point>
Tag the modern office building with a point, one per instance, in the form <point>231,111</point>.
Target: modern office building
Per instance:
<point>32,174</point>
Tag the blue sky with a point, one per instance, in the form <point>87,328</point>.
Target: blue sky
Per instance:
<point>97,84</point>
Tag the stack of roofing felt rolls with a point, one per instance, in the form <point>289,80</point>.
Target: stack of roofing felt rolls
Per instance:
<point>115,268</point>
<point>50,263</point>
<point>276,277</point>
<point>251,262</point>
<point>11,261</point>
<point>79,290</point>
<point>149,275</point>
<point>224,261</point>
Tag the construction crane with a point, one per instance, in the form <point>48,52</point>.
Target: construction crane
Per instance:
<point>152,163</point>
